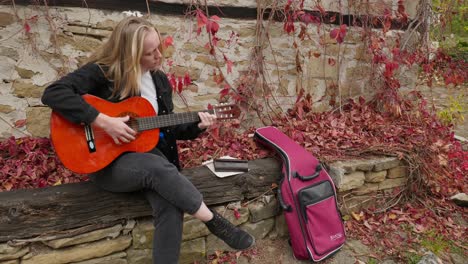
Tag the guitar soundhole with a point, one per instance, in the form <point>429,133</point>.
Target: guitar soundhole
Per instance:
<point>132,122</point>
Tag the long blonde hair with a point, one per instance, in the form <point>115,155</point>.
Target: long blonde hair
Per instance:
<point>121,55</point>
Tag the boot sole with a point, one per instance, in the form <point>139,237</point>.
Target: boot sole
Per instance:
<point>251,245</point>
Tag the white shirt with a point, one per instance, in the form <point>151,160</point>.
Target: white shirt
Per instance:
<point>148,90</point>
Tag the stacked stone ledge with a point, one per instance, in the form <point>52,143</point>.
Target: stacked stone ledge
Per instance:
<point>359,181</point>
<point>131,242</point>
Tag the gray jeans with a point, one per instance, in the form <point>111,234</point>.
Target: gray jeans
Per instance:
<point>169,193</point>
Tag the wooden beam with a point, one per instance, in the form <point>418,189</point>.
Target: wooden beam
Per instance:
<point>34,212</point>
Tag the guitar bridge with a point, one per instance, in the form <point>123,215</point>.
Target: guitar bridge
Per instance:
<point>90,138</point>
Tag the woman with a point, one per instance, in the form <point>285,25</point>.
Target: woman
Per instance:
<point>128,65</point>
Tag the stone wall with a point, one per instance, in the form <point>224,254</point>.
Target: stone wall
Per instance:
<point>357,181</point>
<point>57,40</point>
<point>131,241</point>
<point>361,182</point>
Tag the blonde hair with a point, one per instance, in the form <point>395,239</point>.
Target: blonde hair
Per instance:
<point>121,55</point>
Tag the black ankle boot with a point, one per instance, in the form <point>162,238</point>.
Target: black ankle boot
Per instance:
<point>235,237</point>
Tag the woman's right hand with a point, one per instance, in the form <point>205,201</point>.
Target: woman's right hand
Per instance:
<point>116,128</point>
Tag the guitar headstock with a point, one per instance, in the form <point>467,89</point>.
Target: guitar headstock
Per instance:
<point>226,111</point>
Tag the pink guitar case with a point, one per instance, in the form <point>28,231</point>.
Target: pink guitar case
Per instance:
<point>307,196</point>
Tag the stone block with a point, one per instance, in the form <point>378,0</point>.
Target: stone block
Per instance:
<point>321,68</point>
<point>38,120</point>
<point>111,232</point>
<point>353,165</point>
<point>26,89</point>
<point>366,189</point>
<point>386,163</point>
<point>117,258</point>
<point>397,172</point>
<point>392,183</point>
<point>336,173</point>
<point>356,203</point>
<point>143,235</point>
<point>411,7</point>
<point>362,53</point>
<point>6,19</point>
<point>215,244</point>
<point>193,47</point>
<point>7,249</point>
<point>14,261</point>
<point>194,228</point>
<point>6,109</point>
<point>140,256</point>
<point>209,60</point>
<point>351,181</point>
<point>281,228</point>
<point>88,31</point>
<point>81,43</point>
<point>11,253</point>
<point>375,176</point>
<point>80,252</point>
<point>192,251</point>
<point>228,213</point>
<point>180,71</point>
<point>260,210</point>
<point>9,52</point>
<point>107,24</point>
<point>259,229</point>
<point>24,73</point>
<point>7,69</point>
<point>247,31</point>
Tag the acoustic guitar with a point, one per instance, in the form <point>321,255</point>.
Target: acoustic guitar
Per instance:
<point>88,148</point>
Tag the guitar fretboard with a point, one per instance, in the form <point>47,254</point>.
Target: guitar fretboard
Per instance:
<point>152,122</point>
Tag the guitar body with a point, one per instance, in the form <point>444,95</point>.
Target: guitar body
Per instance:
<point>73,148</point>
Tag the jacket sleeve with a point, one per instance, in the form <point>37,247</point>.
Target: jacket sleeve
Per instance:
<point>183,131</point>
<point>64,95</point>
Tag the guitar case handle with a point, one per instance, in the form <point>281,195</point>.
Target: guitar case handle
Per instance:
<point>284,206</point>
<point>318,169</point>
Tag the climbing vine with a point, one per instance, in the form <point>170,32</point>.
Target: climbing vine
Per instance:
<point>392,120</point>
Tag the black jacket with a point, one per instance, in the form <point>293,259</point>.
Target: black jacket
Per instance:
<point>64,97</point>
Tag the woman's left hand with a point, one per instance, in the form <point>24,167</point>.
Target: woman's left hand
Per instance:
<point>207,120</point>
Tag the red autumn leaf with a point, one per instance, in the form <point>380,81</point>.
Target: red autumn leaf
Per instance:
<point>172,81</point>
<point>390,67</point>
<point>27,27</point>
<point>225,91</point>
<point>237,215</point>
<point>218,78</point>
<point>20,123</point>
<point>228,64</point>
<point>214,40</point>
<point>331,61</point>
<point>339,33</point>
<point>170,63</point>
<point>168,41</point>
<point>212,27</point>
<point>309,18</point>
<point>187,79</point>
<point>180,85</point>
<point>201,19</point>
<point>402,12</point>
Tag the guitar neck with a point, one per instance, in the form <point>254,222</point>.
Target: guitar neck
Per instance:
<point>152,122</point>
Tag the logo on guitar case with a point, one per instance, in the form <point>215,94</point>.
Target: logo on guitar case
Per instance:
<point>336,236</point>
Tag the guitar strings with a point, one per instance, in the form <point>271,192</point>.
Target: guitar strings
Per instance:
<point>140,124</point>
